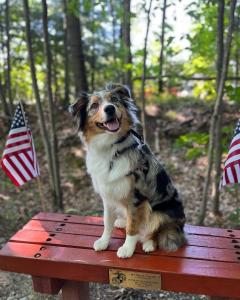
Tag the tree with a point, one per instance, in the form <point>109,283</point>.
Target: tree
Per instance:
<point>77,58</point>
<point>144,71</point>
<point>217,107</point>
<point>54,142</point>
<point>42,122</point>
<point>66,58</point>
<point>3,99</point>
<point>161,57</point>
<point>8,82</point>
<point>218,129</point>
<point>126,36</point>
<point>93,44</point>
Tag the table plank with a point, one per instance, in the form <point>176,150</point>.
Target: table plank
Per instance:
<point>82,241</point>
<point>200,230</point>
<point>96,230</point>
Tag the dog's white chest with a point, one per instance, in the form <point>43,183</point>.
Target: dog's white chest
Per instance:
<point>109,179</point>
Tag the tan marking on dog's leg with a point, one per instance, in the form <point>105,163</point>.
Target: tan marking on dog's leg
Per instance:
<point>136,216</point>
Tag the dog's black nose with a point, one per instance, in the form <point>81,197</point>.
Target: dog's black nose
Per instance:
<point>109,109</point>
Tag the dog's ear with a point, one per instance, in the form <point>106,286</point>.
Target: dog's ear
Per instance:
<point>79,110</point>
<point>122,90</point>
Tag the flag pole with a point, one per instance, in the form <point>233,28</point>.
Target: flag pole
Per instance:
<point>39,183</point>
<point>41,194</point>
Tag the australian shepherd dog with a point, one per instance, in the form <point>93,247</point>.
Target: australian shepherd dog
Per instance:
<point>136,191</point>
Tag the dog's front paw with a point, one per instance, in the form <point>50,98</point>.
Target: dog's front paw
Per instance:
<point>120,223</point>
<point>124,252</point>
<point>100,244</point>
<point>148,246</point>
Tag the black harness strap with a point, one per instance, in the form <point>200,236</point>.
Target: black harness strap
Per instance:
<point>123,138</point>
<point>120,152</point>
<point>130,147</point>
<point>136,135</point>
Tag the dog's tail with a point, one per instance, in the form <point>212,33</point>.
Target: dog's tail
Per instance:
<point>171,237</point>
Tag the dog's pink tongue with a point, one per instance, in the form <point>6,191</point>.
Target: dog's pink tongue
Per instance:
<point>112,125</point>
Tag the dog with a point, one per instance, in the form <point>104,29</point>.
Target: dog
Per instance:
<point>136,190</point>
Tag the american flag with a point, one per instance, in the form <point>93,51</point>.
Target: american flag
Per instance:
<point>231,172</point>
<point>19,157</point>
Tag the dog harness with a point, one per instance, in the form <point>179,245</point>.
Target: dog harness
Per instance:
<point>152,182</point>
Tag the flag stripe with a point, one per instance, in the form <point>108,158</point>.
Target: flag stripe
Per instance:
<point>16,169</point>
<point>18,130</point>
<point>17,152</point>
<point>233,163</point>
<point>226,177</point>
<point>17,139</point>
<point>232,159</point>
<point>24,165</point>
<point>236,142</point>
<point>237,169</point>
<point>28,164</point>
<point>15,144</point>
<point>12,174</point>
<point>20,168</point>
<point>234,174</point>
<point>28,155</point>
<point>17,148</point>
<point>12,136</point>
<point>234,148</point>
<point>235,138</point>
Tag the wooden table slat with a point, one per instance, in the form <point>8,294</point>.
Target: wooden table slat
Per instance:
<point>200,230</point>
<point>82,241</point>
<point>193,240</point>
<point>87,229</point>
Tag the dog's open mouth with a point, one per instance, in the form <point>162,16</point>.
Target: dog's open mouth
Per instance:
<point>111,125</point>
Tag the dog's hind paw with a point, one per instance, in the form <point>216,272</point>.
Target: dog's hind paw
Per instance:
<point>120,223</point>
<point>100,244</point>
<point>148,246</point>
<point>125,252</point>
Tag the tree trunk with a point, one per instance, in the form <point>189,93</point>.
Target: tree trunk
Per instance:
<point>237,53</point>
<point>54,142</point>
<point>218,133</point>
<point>3,100</point>
<point>76,52</point>
<point>66,57</point>
<point>216,111</point>
<point>93,54</point>
<point>37,97</point>
<point>144,71</point>
<point>126,35</point>
<point>117,74</point>
<point>56,89</point>
<point>161,57</point>
<point>8,82</point>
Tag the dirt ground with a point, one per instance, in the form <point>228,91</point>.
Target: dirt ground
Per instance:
<point>17,205</point>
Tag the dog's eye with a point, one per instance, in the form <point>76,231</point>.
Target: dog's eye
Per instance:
<point>94,106</point>
<point>114,99</point>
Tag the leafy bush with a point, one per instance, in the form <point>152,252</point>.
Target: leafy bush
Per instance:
<point>194,143</point>
<point>234,217</point>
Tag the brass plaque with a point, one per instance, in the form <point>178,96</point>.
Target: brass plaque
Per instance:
<point>136,280</point>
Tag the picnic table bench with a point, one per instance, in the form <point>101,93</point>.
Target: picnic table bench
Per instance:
<point>56,250</point>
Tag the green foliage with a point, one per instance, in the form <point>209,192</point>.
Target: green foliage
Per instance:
<point>233,93</point>
<point>234,217</point>
<point>101,22</point>
<point>193,143</point>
